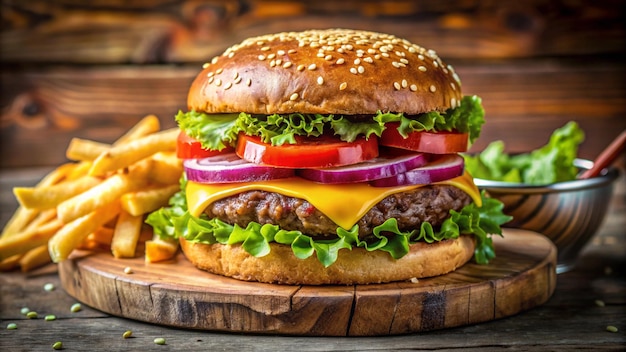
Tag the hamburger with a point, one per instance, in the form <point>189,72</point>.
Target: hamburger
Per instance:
<point>329,157</point>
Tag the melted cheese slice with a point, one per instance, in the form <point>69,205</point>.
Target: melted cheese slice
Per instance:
<point>345,204</point>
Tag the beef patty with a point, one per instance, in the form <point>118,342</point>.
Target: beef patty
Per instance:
<point>425,204</point>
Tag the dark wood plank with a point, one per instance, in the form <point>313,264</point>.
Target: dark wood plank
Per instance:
<point>159,31</point>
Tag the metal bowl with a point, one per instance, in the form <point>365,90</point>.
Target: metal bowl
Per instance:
<point>569,213</point>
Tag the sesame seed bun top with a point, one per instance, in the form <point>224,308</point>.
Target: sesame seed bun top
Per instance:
<point>336,71</point>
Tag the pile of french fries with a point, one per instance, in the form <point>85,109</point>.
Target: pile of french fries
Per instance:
<point>99,200</point>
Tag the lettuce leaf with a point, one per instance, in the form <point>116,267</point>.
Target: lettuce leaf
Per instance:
<point>216,131</point>
<point>175,221</point>
<point>554,162</point>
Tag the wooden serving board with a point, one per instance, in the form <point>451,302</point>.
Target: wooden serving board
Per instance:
<point>522,276</point>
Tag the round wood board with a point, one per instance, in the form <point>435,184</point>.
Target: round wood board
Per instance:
<point>177,294</point>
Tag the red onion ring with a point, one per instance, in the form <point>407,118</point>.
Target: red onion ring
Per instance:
<point>444,168</point>
<point>378,168</point>
<point>229,168</point>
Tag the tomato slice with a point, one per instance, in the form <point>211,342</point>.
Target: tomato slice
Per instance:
<point>189,148</point>
<point>323,151</point>
<point>425,142</point>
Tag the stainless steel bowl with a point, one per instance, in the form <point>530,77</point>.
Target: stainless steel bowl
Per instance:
<point>569,213</point>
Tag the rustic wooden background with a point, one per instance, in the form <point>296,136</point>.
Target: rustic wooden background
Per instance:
<point>94,68</point>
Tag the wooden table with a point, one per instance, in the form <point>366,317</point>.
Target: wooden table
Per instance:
<point>585,302</point>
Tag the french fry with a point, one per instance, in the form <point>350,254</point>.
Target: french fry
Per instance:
<point>35,258</point>
<point>51,196</point>
<point>126,235</point>
<point>22,217</point>
<point>85,150</point>
<point>102,236</point>
<point>129,153</point>
<point>18,221</point>
<point>10,263</point>
<point>148,125</point>
<point>167,168</point>
<point>22,242</point>
<point>42,218</point>
<point>146,201</point>
<point>72,234</point>
<point>106,192</point>
<point>158,250</point>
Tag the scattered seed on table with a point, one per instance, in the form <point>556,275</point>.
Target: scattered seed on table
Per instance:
<point>50,317</point>
<point>127,334</point>
<point>611,328</point>
<point>31,315</point>
<point>599,303</point>
<point>159,341</point>
<point>128,270</point>
<point>49,287</point>
<point>24,310</point>
<point>76,307</point>
<point>12,326</point>
<point>57,345</point>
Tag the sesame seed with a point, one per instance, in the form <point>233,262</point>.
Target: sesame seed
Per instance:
<point>396,85</point>
<point>237,80</point>
<point>343,86</point>
<point>357,61</point>
<point>368,60</point>
<point>210,74</point>
<point>271,56</point>
<point>421,57</point>
<point>261,57</point>
<point>453,85</point>
<point>211,79</point>
<point>312,67</point>
<point>218,82</point>
<point>280,52</point>
<point>249,82</point>
<point>361,69</point>
<point>219,70</point>
<point>422,68</point>
<point>294,96</point>
<point>377,57</point>
<point>228,85</point>
<point>404,61</point>
<point>236,75</point>
<point>433,88</point>
<point>272,63</point>
<point>291,51</point>
<point>371,51</point>
<point>214,60</point>
<point>340,61</point>
<point>287,64</point>
<point>320,80</point>
<point>435,64</point>
<point>353,70</point>
<point>230,55</point>
<point>385,54</point>
<point>453,103</point>
<point>395,64</point>
<point>413,88</point>
<point>265,48</point>
<point>404,83</point>
<point>328,57</point>
<point>340,50</point>
<point>205,65</point>
<point>321,54</point>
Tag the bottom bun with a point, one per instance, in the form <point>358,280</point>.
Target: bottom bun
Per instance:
<point>356,266</point>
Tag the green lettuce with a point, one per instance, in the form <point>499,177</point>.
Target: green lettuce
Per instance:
<point>217,131</point>
<point>554,162</point>
<point>175,221</point>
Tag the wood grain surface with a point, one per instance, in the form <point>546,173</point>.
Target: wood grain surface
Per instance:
<point>520,278</point>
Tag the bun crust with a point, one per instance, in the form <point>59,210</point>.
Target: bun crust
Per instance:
<point>334,71</point>
<point>357,266</point>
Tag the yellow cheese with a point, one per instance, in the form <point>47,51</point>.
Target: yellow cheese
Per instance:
<point>345,204</point>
